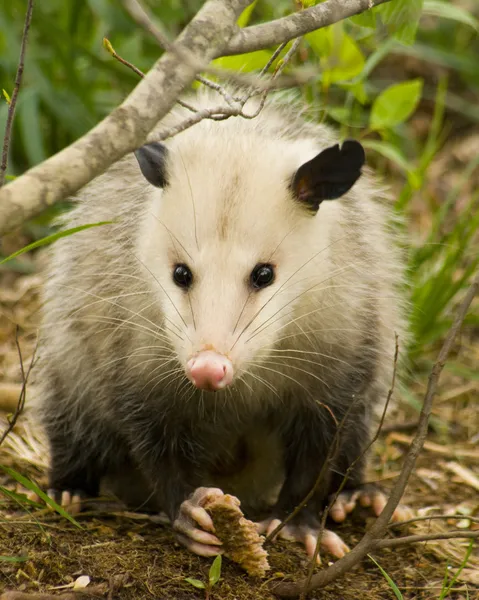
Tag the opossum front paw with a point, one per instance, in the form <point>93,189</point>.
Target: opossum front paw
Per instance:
<point>367,496</point>
<point>200,540</point>
<point>70,500</point>
<point>307,535</point>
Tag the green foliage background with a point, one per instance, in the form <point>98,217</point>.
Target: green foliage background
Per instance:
<point>372,73</point>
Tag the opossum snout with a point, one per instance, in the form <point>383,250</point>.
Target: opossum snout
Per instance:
<point>209,370</point>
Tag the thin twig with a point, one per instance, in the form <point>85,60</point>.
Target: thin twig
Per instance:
<point>13,100</point>
<point>433,518</point>
<point>21,399</point>
<point>127,127</point>
<point>427,537</point>
<point>145,20</point>
<point>330,457</point>
<point>373,537</point>
<point>107,44</point>
<point>352,465</point>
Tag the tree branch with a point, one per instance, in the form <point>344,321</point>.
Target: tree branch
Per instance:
<point>127,126</point>
<point>427,537</point>
<point>259,37</point>
<point>16,88</point>
<point>373,537</point>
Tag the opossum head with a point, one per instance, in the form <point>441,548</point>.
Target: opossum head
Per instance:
<point>235,241</point>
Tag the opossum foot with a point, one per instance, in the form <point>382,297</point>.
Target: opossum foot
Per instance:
<point>307,535</point>
<point>368,496</point>
<point>70,500</point>
<point>200,540</point>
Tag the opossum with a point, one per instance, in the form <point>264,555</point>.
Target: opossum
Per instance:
<point>211,339</point>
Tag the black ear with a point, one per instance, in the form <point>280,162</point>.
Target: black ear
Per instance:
<point>328,175</point>
<point>152,161</point>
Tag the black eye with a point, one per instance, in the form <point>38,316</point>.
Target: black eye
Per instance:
<point>262,276</point>
<point>182,276</point>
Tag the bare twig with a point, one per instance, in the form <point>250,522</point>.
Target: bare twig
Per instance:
<point>352,465</point>
<point>451,451</point>
<point>144,20</point>
<point>128,126</point>
<point>13,99</point>
<point>433,518</point>
<point>426,537</point>
<point>21,399</point>
<point>108,46</point>
<point>373,537</point>
<point>258,37</point>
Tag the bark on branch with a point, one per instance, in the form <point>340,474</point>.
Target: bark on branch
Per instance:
<point>213,32</point>
<point>259,37</point>
<point>127,126</point>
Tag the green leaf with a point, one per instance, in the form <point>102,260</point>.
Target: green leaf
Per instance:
<point>391,583</point>
<point>245,16</point>
<point>196,583</point>
<point>447,10</point>
<point>52,238</point>
<point>13,559</point>
<point>41,494</point>
<point>215,571</point>
<point>395,104</point>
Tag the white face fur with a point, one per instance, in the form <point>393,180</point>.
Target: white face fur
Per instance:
<point>226,209</point>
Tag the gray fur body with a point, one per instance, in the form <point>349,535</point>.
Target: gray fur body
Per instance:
<point>116,332</point>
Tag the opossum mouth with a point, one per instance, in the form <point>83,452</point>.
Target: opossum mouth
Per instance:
<point>210,371</point>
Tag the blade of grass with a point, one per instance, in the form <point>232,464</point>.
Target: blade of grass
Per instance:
<point>52,238</point>
<point>14,559</point>
<point>34,488</point>
<point>391,583</point>
<point>447,588</point>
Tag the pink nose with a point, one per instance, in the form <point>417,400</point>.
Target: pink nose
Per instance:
<point>209,370</point>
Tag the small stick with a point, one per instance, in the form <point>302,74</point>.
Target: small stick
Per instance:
<point>427,537</point>
<point>351,466</point>
<point>433,517</point>
<point>372,537</point>
<point>13,100</point>
<point>108,46</point>
<point>436,448</point>
<point>21,399</point>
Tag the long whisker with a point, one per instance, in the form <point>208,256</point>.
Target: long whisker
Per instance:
<point>307,290</point>
<point>116,360</point>
<point>328,356</point>
<point>319,309</point>
<point>282,286</point>
<point>292,335</point>
<point>263,381</point>
<point>173,235</point>
<point>269,260</point>
<point>164,291</point>
<point>281,364</point>
<point>107,301</point>
<point>192,198</point>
